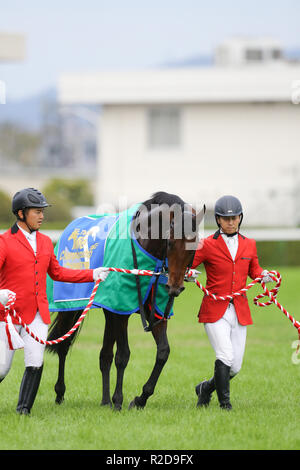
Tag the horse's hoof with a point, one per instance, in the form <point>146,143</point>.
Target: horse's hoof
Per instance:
<point>106,403</point>
<point>131,405</point>
<point>118,407</point>
<point>135,404</point>
<point>59,400</point>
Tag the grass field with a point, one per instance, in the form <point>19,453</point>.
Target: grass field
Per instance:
<point>265,394</point>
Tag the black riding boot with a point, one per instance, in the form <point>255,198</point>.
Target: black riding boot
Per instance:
<point>204,391</point>
<point>28,390</point>
<point>222,377</point>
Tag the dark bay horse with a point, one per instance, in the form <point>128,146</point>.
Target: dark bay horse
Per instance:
<point>173,239</point>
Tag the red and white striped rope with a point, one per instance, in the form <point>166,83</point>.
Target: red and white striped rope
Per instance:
<point>272,294</point>
<point>12,298</point>
<point>275,275</point>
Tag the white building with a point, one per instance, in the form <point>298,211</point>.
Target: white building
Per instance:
<point>200,133</point>
<point>246,51</point>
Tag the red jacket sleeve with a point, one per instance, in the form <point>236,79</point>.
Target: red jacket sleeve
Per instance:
<point>58,273</point>
<point>199,255</point>
<point>2,252</point>
<point>254,268</point>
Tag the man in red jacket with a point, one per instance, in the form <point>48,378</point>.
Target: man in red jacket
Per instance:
<point>26,256</point>
<point>229,258</point>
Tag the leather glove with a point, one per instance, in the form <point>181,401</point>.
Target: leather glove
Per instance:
<point>4,293</point>
<point>266,277</point>
<point>192,275</point>
<point>100,273</point>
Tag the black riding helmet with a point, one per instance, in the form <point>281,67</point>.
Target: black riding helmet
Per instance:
<point>28,197</point>
<point>228,206</point>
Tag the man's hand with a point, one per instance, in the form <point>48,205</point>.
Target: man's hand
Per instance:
<point>266,277</point>
<point>192,275</point>
<point>4,293</point>
<point>100,273</point>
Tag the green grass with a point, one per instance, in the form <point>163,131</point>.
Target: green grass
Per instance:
<point>265,394</point>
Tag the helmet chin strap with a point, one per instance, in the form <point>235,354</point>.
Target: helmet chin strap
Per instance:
<point>31,230</point>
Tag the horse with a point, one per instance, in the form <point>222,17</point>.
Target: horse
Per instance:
<point>172,239</point>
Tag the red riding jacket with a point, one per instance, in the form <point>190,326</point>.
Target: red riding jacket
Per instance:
<point>25,273</point>
<point>225,276</point>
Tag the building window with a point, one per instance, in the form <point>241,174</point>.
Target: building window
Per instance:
<point>276,54</point>
<point>253,55</point>
<point>164,123</point>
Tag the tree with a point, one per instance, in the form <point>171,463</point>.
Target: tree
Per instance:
<point>63,195</point>
<point>6,216</point>
<point>76,192</point>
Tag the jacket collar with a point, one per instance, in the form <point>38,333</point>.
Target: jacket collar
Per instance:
<point>14,229</point>
<point>222,245</point>
<point>22,239</point>
<point>218,233</point>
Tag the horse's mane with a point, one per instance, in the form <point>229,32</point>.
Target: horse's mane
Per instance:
<point>162,197</point>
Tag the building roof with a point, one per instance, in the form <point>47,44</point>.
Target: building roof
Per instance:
<point>251,83</point>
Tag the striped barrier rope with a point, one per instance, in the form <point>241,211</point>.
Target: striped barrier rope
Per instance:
<point>14,340</point>
<point>190,275</point>
<point>272,294</point>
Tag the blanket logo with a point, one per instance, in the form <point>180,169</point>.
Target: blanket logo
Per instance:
<point>80,253</point>
<point>81,246</point>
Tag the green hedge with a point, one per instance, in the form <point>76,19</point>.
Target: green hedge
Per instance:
<point>6,216</point>
<point>278,253</point>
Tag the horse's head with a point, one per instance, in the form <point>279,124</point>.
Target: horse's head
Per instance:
<point>168,229</point>
<point>181,245</point>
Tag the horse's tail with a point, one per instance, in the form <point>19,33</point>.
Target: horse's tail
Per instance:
<point>63,322</point>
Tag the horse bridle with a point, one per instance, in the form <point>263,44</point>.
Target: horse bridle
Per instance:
<point>152,323</point>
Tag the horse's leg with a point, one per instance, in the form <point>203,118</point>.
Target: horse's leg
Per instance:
<point>163,350</point>
<point>60,386</point>
<point>106,356</point>
<point>61,325</point>
<point>121,357</point>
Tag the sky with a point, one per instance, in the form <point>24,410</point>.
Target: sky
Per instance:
<point>91,35</point>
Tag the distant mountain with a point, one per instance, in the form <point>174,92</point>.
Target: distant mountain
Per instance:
<point>27,112</point>
<point>293,54</point>
<point>193,61</point>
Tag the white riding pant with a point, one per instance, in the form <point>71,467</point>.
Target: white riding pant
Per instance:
<point>33,350</point>
<point>228,338</point>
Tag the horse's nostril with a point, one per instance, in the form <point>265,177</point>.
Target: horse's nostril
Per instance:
<point>174,291</point>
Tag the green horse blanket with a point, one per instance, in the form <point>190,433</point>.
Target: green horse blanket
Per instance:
<point>105,240</point>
